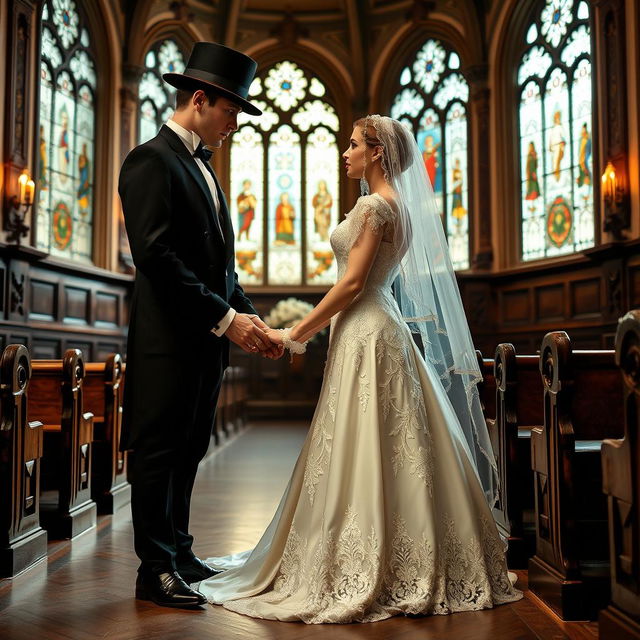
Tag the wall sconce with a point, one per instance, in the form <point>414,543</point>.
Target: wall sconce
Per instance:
<point>616,203</point>
<point>17,209</point>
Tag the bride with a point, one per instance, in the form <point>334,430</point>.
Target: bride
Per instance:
<point>388,509</point>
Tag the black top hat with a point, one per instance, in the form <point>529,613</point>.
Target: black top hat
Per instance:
<point>214,65</point>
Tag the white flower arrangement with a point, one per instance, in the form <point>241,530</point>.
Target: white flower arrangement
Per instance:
<point>287,313</point>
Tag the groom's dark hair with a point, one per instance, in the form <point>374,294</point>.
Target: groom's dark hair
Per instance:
<point>183,96</point>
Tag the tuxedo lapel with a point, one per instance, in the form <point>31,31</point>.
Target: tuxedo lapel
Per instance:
<point>225,219</point>
<point>194,171</point>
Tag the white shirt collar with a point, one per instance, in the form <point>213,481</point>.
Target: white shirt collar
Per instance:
<point>190,138</point>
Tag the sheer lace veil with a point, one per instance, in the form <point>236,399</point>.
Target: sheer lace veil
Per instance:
<point>427,292</point>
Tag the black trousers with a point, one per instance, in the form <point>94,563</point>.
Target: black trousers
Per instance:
<point>164,471</point>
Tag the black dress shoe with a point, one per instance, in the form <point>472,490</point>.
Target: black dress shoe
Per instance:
<point>195,570</point>
<point>167,589</point>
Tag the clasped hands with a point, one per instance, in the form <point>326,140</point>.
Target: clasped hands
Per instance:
<point>254,336</point>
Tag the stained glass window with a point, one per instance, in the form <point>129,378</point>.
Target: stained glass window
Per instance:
<point>556,124</point>
<point>431,101</point>
<point>156,96</point>
<point>285,181</point>
<point>66,152</point>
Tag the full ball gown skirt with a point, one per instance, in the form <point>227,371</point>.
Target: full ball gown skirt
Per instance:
<point>383,514</point>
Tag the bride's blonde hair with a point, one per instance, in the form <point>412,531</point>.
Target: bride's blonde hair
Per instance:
<point>399,132</point>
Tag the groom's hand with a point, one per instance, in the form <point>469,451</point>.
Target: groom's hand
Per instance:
<point>247,335</point>
<point>277,350</point>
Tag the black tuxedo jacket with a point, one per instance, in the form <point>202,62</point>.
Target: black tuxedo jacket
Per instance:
<point>185,279</point>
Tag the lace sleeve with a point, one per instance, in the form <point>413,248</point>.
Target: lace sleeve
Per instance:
<point>371,211</point>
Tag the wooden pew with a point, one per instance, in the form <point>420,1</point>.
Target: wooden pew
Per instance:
<point>22,539</point>
<point>519,408</point>
<point>237,397</point>
<point>231,411</point>
<point>102,394</point>
<point>241,395</point>
<point>582,406</point>
<point>487,391</point>
<point>55,398</point>
<point>621,483</point>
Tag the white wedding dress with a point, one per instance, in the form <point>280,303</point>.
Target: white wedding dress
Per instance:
<point>384,513</point>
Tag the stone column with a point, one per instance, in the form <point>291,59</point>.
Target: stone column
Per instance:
<point>481,247</point>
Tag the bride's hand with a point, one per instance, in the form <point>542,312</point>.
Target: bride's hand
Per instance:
<point>274,335</point>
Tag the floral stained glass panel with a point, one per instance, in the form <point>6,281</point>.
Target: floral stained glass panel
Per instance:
<point>156,96</point>
<point>247,204</point>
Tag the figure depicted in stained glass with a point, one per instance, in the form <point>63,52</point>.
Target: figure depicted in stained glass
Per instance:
<point>584,157</point>
<point>42,155</point>
<point>84,187</point>
<point>247,203</point>
<point>532,184</point>
<point>285,215</point>
<point>431,157</point>
<point>322,203</point>
<point>64,155</point>
<point>557,143</point>
<point>457,208</point>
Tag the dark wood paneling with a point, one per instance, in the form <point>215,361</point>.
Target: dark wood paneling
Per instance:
<point>634,286</point>
<point>43,300</point>
<point>42,349</point>
<point>76,304</point>
<point>586,298</point>
<point>515,306</point>
<point>550,302</point>
<point>106,308</point>
<point>54,306</point>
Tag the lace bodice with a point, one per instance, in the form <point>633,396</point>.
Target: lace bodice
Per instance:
<point>375,212</point>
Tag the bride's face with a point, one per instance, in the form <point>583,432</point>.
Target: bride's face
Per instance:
<point>354,156</point>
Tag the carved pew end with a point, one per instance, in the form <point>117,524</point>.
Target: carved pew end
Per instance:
<point>102,389</point>
<point>621,480</point>
<point>55,396</point>
<point>23,542</point>
<point>583,404</point>
<point>570,599</point>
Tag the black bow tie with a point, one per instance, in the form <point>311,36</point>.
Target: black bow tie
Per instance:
<point>203,153</point>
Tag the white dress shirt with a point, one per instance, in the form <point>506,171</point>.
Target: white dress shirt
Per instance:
<point>191,140</point>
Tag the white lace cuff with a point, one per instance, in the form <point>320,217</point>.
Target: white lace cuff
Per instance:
<point>292,345</point>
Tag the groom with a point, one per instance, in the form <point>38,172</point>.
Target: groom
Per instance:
<point>187,305</point>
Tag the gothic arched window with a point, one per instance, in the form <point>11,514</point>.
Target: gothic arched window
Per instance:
<point>64,219</point>
<point>432,102</point>
<point>556,124</point>
<point>285,181</point>
<point>155,95</point>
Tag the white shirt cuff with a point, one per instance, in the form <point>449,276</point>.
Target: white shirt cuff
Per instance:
<point>223,325</point>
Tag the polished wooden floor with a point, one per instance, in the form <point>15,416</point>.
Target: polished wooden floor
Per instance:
<point>84,590</point>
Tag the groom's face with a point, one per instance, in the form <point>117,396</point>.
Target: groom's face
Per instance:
<point>217,121</point>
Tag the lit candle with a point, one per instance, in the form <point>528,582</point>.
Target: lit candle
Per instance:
<point>609,182</point>
<point>22,181</point>
<point>31,187</point>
